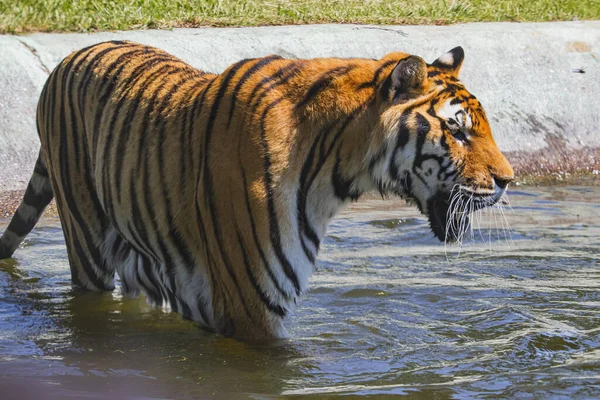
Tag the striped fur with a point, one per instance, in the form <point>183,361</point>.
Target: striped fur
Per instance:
<point>211,193</point>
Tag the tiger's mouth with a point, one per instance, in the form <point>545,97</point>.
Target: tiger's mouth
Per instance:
<point>449,213</point>
<point>444,225</point>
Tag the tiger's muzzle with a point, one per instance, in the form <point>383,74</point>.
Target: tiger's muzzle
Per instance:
<point>449,212</point>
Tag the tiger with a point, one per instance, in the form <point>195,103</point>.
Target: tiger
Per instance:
<point>210,194</point>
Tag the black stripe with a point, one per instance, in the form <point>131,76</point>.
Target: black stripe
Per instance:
<point>308,229</point>
<point>149,131</point>
<point>41,112</point>
<point>195,113</point>
<point>381,152</point>
<point>83,259</point>
<point>140,244</point>
<point>402,138</point>
<point>65,154</point>
<point>159,248</point>
<point>247,75</point>
<point>341,185</point>
<point>220,241</point>
<point>209,258</point>
<point>302,195</point>
<point>69,71</point>
<point>223,85</point>
<point>50,93</point>
<point>201,226</point>
<point>273,223</point>
<point>118,253</point>
<point>40,168</point>
<point>107,89</point>
<point>208,184</point>
<point>309,254</point>
<point>77,217</point>
<point>186,115</point>
<point>83,88</point>
<point>170,292</point>
<point>174,234</point>
<point>74,57</point>
<point>274,308</point>
<point>185,310</point>
<point>226,296</point>
<point>444,126</point>
<point>407,182</point>
<point>257,243</point>
<point>5,250</point>
<point>39,200</point>
<point>322,83</point>
<point>170,272</point>
<point>452,88</point>
<point>119,246</point>
<point>116,151</point>
<point>304,226</point>
<point>284,75</point>
<point>127,86</point>
<point>144,77</point>
<point>141,223</point>
<point>19,226</point>
<point>423,128</point>
<point>82,159</point>
<point>280,77</point>
<point>372,83</point>
<point>154,292</point>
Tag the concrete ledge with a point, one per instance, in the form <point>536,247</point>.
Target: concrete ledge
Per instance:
<point>544,111</point>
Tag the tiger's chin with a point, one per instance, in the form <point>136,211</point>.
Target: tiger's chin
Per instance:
<point>444,225</point>
<point>449,215</point>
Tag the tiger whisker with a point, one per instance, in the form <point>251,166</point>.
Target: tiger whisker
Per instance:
<point>471,211</point>
<point>450,217</point>
<point>508,232</point>
<point>466,215</point>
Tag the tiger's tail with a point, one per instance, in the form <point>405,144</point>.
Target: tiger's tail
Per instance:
<point>37,196</point>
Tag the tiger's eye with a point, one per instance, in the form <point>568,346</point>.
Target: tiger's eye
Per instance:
<point>460,135</point>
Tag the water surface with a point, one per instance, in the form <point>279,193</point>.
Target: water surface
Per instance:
<point>391,311</point>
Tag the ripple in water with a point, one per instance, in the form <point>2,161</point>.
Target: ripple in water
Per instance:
<point>390,312</point>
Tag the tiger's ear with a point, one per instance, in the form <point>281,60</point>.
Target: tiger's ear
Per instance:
<point>407,79</point>
<point>451,61</point>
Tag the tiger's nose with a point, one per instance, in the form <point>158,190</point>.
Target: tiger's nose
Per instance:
<point>502,181</point>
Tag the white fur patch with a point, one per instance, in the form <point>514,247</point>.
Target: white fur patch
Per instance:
<point>457,113</point>
<point>447,59</point>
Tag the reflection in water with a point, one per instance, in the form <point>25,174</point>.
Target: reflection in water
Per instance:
<point>390,312</point>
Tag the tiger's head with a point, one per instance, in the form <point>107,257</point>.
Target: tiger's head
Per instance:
<point>436,144</point>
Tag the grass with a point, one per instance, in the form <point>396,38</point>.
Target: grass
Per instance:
<point>21,16</point>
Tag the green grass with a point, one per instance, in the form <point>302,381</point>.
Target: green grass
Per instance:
<point>19,16</point>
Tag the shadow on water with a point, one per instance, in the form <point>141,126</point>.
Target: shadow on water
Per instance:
<point>390,312</point>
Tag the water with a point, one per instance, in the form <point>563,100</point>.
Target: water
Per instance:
<point>390,312</point>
